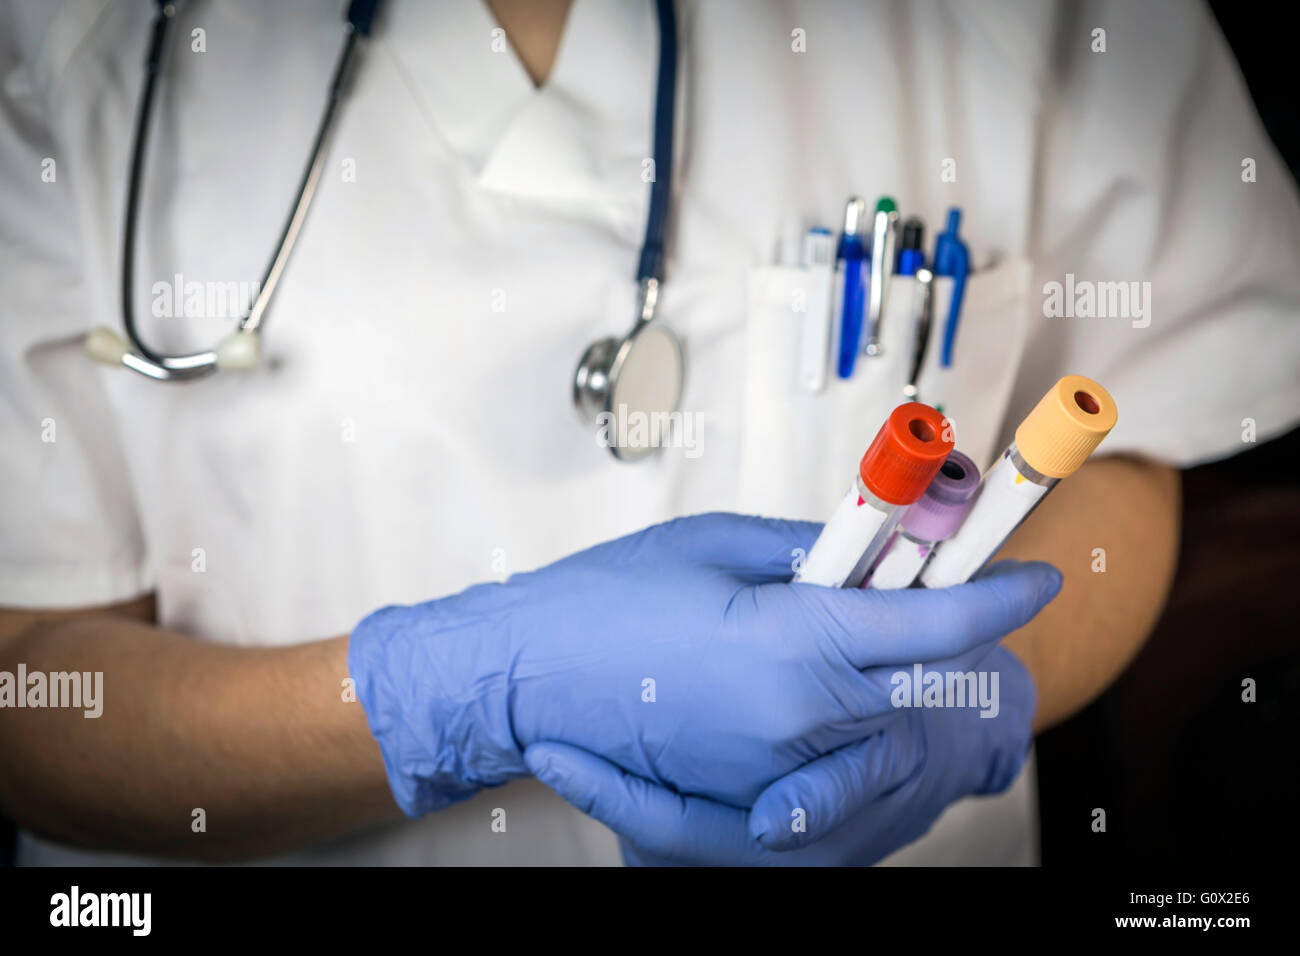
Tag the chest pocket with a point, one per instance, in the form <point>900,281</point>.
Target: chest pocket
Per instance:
<point>800,449</point>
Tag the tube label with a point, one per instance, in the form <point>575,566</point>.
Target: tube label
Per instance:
<point>900,564</point>
<point>844,539</point>
<point>1005,499</point>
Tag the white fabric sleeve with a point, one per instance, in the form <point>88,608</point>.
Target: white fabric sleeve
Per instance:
<point>69,534</point>
<point>1141,179</point>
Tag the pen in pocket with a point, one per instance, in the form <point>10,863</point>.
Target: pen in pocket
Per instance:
<point>850,285</point>
<point>815,330</point>
<point>882,267</point>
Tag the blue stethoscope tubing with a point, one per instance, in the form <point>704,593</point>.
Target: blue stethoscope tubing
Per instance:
<point>651,262</point>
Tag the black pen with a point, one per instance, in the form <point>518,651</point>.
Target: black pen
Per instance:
<point>924,319</point>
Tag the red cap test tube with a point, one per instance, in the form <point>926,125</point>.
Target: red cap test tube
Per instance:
<point>906,454</point>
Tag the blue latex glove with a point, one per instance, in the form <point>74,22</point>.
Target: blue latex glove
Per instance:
<point>752,677</point>
<point>963,754</point>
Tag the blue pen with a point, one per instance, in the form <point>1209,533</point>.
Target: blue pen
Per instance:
<point>850,286</point>
<point>951,259</point>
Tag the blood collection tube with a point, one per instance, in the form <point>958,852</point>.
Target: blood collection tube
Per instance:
<point>1057,437</point>
<point>902,461</point>
<point>936,515</point>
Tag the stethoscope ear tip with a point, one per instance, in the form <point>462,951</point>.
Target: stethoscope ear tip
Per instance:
<point>238,351</point>
<point>104,345</point>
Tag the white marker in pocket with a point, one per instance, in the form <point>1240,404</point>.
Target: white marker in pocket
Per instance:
<point>815,332</point>
<point>1052,443</point>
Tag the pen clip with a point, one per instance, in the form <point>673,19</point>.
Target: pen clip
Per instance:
<point>884,228</point>
<point>925,318</point>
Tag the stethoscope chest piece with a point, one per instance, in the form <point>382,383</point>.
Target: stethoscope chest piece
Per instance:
<point>627,387</point>
<point>630,387</point>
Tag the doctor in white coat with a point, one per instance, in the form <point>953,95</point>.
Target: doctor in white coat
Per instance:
<point>409,430</point>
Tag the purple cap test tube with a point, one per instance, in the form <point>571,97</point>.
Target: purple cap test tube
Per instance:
<point>936,515</point>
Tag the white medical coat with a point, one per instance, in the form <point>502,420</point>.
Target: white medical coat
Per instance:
<point>410,431</point>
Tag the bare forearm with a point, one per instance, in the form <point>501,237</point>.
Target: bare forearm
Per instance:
<point>1082,641</point>
<point>260,740</point>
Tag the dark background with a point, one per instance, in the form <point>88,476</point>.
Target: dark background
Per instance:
<point>1186,771</point>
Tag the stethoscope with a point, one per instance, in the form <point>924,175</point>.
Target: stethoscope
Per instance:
<point>640,373</point>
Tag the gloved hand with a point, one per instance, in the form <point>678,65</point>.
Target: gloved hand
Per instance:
<point>679,653</point>
<point>962,754</point>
